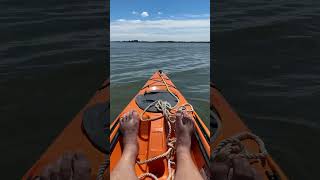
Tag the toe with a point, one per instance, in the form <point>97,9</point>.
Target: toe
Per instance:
<point>55,171</point>
<point>65,163</point>
<point>126,116</point>
<point>121,122</point>
<point>45,175</point>
<point>50,172</point>
<point>81,167</point>
<point>130,115</point>
<point>189,121</point>
<point>179,118</point>
<point>135,114</point>
<point>122,119</point>
<point>185,118</point>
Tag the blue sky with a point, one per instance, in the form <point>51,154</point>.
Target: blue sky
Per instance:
<point>153,20</point>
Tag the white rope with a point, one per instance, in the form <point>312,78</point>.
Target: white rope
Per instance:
<point>171,172</point>
<point>168,114</point>
<point>227,147</point>
<point>102,169</point>
<point>144,175</point>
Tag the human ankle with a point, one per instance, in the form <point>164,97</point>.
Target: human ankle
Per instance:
<point>182,150</point>
<point>130,148</point>
<point>129,154</point>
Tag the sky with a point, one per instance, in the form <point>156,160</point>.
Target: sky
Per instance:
<point>160,20</point>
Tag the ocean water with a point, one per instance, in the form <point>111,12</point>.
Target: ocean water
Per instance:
<point>267,65</point>
<point>52,60</point>
<point>186,64</point>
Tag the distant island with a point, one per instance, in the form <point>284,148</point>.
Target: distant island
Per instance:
<point>137,41</point>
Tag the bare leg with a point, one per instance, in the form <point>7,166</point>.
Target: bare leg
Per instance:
<point>186,169</point>
<point>129,126</point>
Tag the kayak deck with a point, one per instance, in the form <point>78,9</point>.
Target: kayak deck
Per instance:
<point>153,134</point>
<point>73,139</point>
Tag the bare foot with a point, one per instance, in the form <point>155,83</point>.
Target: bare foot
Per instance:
<point>184,129</point>
<point>68,166</point>
<point>129,126</point>
<point>186,168</point>
<point>241,170</point>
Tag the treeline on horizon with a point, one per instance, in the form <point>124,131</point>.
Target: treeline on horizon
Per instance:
<point>137,41</point>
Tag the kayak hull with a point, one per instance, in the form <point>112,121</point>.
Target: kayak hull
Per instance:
<point>74,139</point>
<point>152,134</point>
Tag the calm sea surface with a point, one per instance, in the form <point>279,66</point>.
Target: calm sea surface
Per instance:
<point>187,64</point>
<point>52,59</point>
<point>267,64</point>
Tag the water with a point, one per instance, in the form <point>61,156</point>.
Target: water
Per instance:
<point>186,64</point>
<point>52,60</point>
<point>267,64</point>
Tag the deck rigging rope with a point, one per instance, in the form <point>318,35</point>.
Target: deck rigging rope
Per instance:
<point>232,147</point>
<point>168,113</point>
<point>102,168</point>
<point>229,146</point>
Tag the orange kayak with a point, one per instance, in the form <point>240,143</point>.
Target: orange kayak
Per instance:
<point>152,137</point>
<point>85,134</point>
<point>225,123</point>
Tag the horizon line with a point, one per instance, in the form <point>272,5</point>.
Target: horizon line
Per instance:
<point>155,41</point>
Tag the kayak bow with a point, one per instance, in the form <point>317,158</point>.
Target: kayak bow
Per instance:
<point>153,134</point>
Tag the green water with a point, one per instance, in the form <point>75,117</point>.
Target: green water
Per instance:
<point>186,64</point>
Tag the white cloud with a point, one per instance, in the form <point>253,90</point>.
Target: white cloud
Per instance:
<point>134,12</point>
<point>161,30</point>
<point>144,14</point>
<point>159,13</point>
<point>121,20</point>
